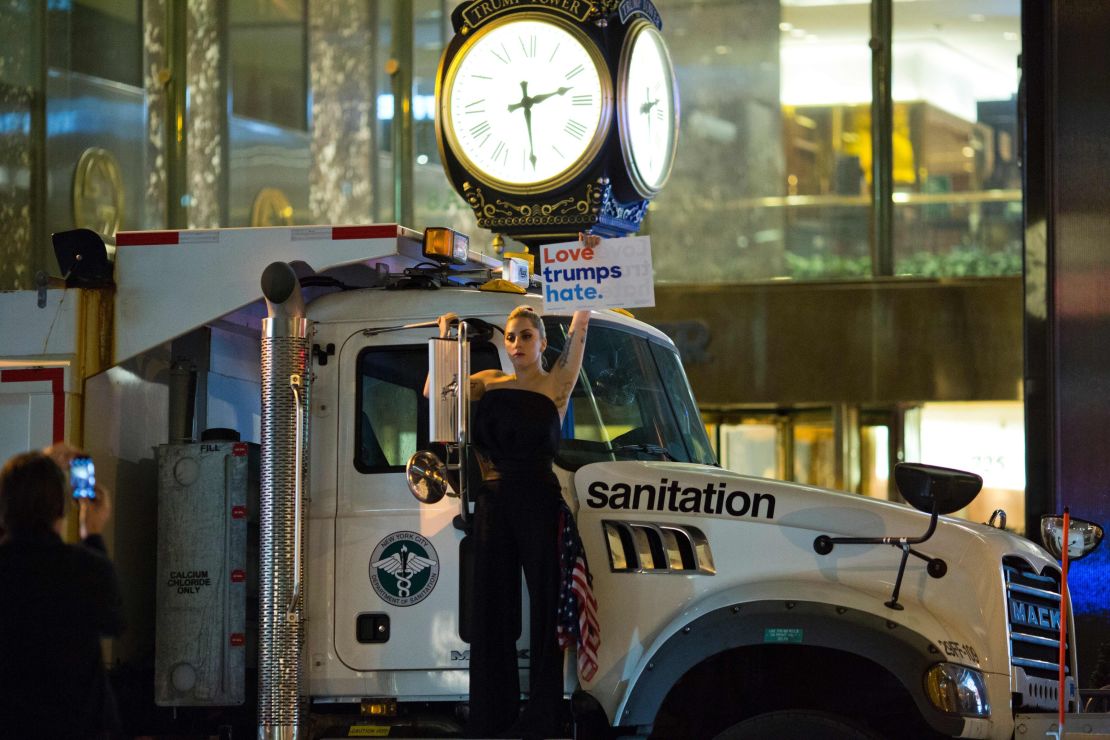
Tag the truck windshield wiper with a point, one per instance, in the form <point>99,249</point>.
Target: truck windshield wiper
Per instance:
<point>650,449</point>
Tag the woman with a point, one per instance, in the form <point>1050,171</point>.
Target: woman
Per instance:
<point>516,427</point>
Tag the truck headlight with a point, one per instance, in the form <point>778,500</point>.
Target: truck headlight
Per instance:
<point>955,689</point>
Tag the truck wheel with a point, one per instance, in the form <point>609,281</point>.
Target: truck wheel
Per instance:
<point>797,725</point>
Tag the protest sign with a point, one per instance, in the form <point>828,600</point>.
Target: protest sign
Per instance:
<point>615,274</point>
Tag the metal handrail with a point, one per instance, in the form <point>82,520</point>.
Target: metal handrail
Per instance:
<point>295,385</point>
<point>1011,195</point>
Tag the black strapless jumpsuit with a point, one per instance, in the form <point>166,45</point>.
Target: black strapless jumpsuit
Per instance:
<point>516,526</point>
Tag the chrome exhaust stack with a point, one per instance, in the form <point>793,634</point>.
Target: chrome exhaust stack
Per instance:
<point>285,404</point>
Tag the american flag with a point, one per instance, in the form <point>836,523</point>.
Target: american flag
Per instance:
<point>577,621</point>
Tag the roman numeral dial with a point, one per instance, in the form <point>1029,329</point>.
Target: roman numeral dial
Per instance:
<point>648,111</point>
<point>526,103</point>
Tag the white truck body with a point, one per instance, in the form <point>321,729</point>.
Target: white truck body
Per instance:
<point>698,571</point>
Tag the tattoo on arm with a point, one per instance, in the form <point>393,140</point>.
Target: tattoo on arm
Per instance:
<point>575,337</point>
<point>564,356</point>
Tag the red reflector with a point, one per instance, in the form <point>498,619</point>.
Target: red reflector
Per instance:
<point>377,231</point>
<point>145,238</point>
<point>238,639</point>
<point>239,449</point>
<point>238,576</point>
<point>238,512</point>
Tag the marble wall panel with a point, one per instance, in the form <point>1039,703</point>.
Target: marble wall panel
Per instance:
<point>341,74</point>
<point>17,75</point>
<point>155,67</point>
<point>205,128</point>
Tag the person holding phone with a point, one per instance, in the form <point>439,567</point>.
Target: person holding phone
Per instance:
<point>57,600</point>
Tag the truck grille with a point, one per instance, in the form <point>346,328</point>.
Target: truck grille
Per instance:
<point>657,548</point>
<point>1033,619</point>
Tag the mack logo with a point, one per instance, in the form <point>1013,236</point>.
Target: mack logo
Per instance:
<point>674,496</point>
<point>404,568</point>
<point>1033,615</point>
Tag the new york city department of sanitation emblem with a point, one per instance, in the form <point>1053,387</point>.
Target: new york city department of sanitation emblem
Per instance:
<point>404,568</point>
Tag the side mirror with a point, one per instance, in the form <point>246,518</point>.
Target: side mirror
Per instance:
<point>1083,536</point>
<point>931,488</point>
<point>84,258</point>
<point>928,488</point>
<point>427,477</point>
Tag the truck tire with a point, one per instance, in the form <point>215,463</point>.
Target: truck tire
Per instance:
<point>797,725</point>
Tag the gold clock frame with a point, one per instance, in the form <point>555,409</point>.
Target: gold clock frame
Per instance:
<point>268,203</point>
<point>445,131</point>
<point>98,186</point>
<point>636,28</point>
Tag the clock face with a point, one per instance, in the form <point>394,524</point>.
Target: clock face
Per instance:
<point>648,109</point>
<point>525,103</point>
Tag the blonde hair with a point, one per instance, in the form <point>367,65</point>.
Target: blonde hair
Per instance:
<point>529,313</point>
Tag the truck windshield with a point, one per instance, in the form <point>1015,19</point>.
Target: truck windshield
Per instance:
<point>632,400</point>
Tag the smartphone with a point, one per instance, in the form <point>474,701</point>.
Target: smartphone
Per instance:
<point>82,477</point>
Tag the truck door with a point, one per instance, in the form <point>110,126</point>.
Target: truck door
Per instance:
<point>395,558</point>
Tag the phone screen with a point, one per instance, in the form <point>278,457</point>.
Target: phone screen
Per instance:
<point>82,476</point>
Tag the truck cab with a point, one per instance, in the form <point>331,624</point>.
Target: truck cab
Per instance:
<point>718,613</point>
<point>729,606</point>
<point>369,417</point>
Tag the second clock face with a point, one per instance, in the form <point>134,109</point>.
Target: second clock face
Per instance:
<point>649,110</point>
<point>525,103</point>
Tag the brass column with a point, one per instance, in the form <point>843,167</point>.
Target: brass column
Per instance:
<point>176,40</point>
<point>402,134</point>
<point>882,149</point>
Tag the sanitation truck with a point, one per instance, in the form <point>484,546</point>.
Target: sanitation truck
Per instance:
<point>267,509</point>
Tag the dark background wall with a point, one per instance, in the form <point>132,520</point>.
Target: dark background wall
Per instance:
<point>1066,66</point>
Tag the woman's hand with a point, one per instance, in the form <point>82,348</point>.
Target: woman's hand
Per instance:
<point>445,322</point>
<point>63,454</point>
<point>589,240</point>
<point>95,512</point>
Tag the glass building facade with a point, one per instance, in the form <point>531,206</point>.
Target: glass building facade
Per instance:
<point>294,112</point>
<point>146,114</point>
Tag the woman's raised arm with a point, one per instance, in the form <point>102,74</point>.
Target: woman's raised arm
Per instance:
<point>565,371</point>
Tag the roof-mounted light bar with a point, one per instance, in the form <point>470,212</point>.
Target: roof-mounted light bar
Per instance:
<point>446,245</point>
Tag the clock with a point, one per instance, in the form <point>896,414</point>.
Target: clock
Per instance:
<point>647,109</point>
<point>525,104</point>
<point>98,201</point>
<point>271,208</point>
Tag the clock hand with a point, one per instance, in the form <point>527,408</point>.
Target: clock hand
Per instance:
<point>526,103</point>
<point>646,110</point>
<point>531,149</point>
<point>545,96</point>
